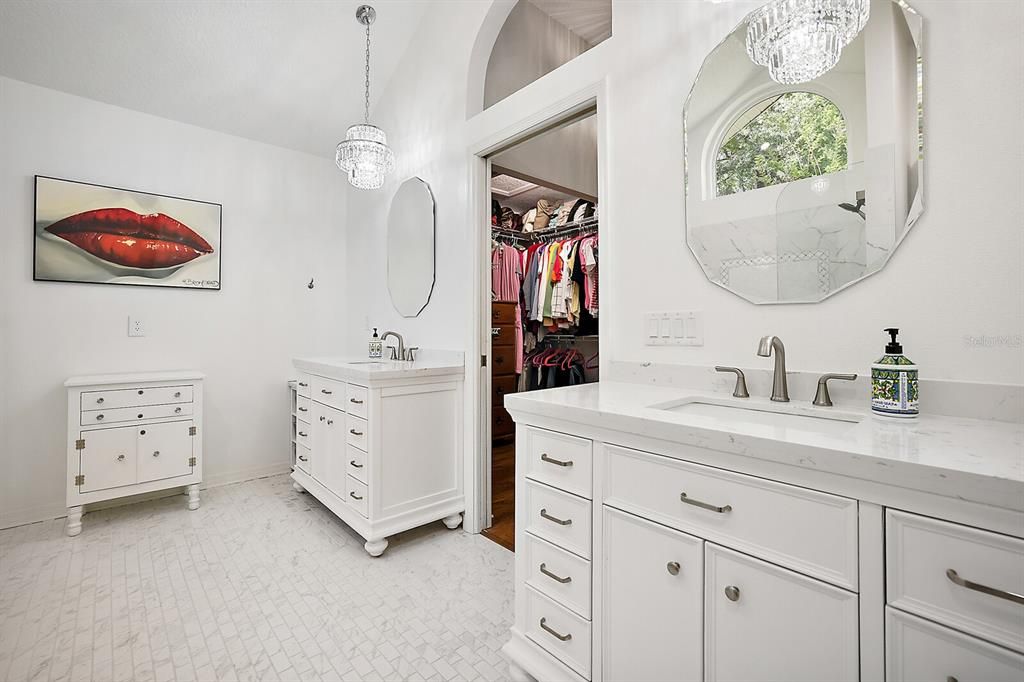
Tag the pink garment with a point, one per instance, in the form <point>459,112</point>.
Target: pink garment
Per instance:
<point>506,283</point>
<point>588,258</point>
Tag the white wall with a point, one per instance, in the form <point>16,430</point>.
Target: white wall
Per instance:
<point>283,222</point>
<point>956,277</point>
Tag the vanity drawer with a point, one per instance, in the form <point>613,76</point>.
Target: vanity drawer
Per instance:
<point>328,392</point>
<point>917,649</point>
<point>302,456</point>
<point>558,517</point>
<point>355,495</point>
<point>302,409</point>
<point>134,397</point>
<point>355,400</point>
<point>302,432</point>
<point>355,432</point>
<point>921,551</point>
<point>134,414</point>
<point>302,387</point>
<point>504,359</point>
<point>559,630</point>
<point>355,463</point>
<point>558,574</point>
<point>811,532</point>
<point>559,460</point>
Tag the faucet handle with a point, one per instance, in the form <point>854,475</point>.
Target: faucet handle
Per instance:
<point>410,353</point>
<point>822,398</point>
<point>394,352</point>
<point>741,381</point>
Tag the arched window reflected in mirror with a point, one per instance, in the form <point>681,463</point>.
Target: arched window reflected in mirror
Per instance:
<point>781,139</point>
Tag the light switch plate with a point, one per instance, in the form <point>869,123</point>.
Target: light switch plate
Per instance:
<point>136,327</point>
<point>674,328</point>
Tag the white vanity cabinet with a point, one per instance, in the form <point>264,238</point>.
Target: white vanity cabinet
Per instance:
<point>699,570</point>
<point>130,434</point>
<point>382,447</point>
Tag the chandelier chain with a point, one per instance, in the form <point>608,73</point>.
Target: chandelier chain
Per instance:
<point>366,82</point>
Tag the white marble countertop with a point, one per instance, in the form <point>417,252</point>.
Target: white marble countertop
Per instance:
<point>344,368</point>
<point>134,378</point>
<point>971,459</point>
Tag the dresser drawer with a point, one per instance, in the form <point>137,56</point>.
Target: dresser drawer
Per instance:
<point>504,335</point>
<point>355,463</point>
<point>302,434</point>
<point>355,400</point>
<point>503,314</point>
<point>328,392</point>
<point>917,649</point>
<point>302,457</point>
<point>135,397</point>
<point>355,495</point>
<point>558,517</point>
<point>134,414</point>
<point>355,432</point>
<point>921,551</point>
<point>811,532</point>
<point>559,630</point>
<point>558,574</point>
<point>501,423</point>
<point>504,359</point>
<point>559,460</point>
<point>302,386</point>
<point>502,386</point>
<point>302,409</point>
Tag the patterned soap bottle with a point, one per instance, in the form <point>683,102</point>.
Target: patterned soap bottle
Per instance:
<point>894,382</point>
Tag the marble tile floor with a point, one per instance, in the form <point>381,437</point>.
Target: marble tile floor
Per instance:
<point>259,583</point>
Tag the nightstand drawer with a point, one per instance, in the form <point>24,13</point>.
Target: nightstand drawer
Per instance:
<point>134,397</point>
<point>135,414</point>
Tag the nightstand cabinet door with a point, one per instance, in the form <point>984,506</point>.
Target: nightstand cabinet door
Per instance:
<point>164,450</point>
<point>108,458</point>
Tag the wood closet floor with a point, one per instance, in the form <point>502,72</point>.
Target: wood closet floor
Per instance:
<point>503,496</point>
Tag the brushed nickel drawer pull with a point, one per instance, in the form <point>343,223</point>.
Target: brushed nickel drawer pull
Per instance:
<point>560,522</point>
<point>984,589</point>
<point>303,434</point>
<point>177,394</point>
<point>673,567</point>
<point>156,453</point>
<point>303,385</point>
<point>303,409</point>
<point>704,505</point>
<point>120,458</point>
<point>303,459</point>
<point>354,496</point>
<point>177,410</point>
<point>99,417</point>
<point>355,433</point>
<point>326,392</point>
<point>950,678</point>
<point>355,402</point>
<point>732,592</point>
<point>557,635</point>
<point>545,571</point>
<point>140,415</point>
<point>544,458</point>
<point>353,463</point>
<point>99,401</point>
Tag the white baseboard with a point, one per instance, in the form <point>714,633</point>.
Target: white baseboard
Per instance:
<point>27,515</point>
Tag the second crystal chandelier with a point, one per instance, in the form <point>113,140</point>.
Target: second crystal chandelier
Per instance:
<point>799,40</point>
<point>365,155</point>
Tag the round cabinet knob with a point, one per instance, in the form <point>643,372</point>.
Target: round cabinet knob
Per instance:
<point>140,415</point>
<point>99,417</point>
<point>140,392</point>
<point>330,421</point>
<point>156,453</point>
<point>177,394</point>
<point>732,592</point>
<point>673,567</point>
<point>120,458</point>
<point>99,401</point>
<point>322,417</point>
<point>177,410</point>
<point>142,432</point>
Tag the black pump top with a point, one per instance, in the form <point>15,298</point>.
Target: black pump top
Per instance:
<point>893,347</point>
<point>375,333</point>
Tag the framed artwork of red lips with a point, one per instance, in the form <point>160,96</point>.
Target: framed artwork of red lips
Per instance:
<point>90,233</point>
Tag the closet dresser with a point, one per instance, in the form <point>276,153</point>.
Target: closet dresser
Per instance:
<point>130,434</point>
<point>660,543</point>
<point>504,380</point>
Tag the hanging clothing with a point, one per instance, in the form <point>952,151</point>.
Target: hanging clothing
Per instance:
<point>506,285</point>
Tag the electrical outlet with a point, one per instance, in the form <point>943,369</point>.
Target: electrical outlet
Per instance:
<point>136,327</point>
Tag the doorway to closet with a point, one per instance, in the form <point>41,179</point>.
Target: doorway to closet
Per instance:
<point>544,309</point>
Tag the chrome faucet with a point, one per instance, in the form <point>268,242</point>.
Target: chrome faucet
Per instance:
<point>769,344</point>
<point>401,345</point>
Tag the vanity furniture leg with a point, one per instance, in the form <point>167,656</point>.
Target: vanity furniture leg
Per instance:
<point>193,496</point>
<point>74,523</point>
<point>452,522</point>
<point>376,547</point>
<point>298,488</point>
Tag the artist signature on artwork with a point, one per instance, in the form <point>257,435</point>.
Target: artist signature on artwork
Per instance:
<point>201,283</point>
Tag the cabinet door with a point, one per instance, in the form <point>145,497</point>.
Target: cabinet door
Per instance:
<point>653,589</point>
<point>319,442</point>
<point>108,460</point>
<point>763,622</point>
<point>164,450</point>
<point>332,462</point>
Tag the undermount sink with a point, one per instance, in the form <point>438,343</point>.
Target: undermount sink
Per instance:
<point>765,414</point>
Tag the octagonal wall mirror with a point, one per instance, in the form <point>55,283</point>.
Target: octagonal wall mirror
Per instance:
<point>795,192</point>
<point>411,247</point>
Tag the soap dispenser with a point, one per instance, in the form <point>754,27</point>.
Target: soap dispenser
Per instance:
<point>376,346</point>
<point>894,382</point>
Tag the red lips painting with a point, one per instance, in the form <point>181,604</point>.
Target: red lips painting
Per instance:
<point>124,237</point>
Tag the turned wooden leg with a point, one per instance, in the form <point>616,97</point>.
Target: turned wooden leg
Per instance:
<point>74,524</point>
<point>193,497</point>
<point>298,487</point>
<point>376,547</point>
<point>453,521</point>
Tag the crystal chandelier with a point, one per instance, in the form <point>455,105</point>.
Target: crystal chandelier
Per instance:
<point>799,40</point>
<point>365,154</point>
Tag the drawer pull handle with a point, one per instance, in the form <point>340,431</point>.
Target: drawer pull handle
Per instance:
<point>140,415</point>
<point>177,394</point>
<point>156,453</point>
<point>303,434</point>
<point>985,589</point>
<point>99,417</point>
<point>355,433</point>
<point>177,410</point>
<point>673,567</point>
<point>120,458</point>
<point>142,432</point>
<point>732,592</point>
<point>353,463</point>
<point>303,385</point>
<point>950,678</point>
<point>326,392</point>
<point>354,496</point>
<point>303,409</point>
<point>555,633</point>
<point>355,402</point>
<point>704,505</point>
<point>140,392</point>
<point>303,459</point>
<point>99,401</point>
<point>544,458</point>
<point>557,579</point>
<point>549,517</point>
